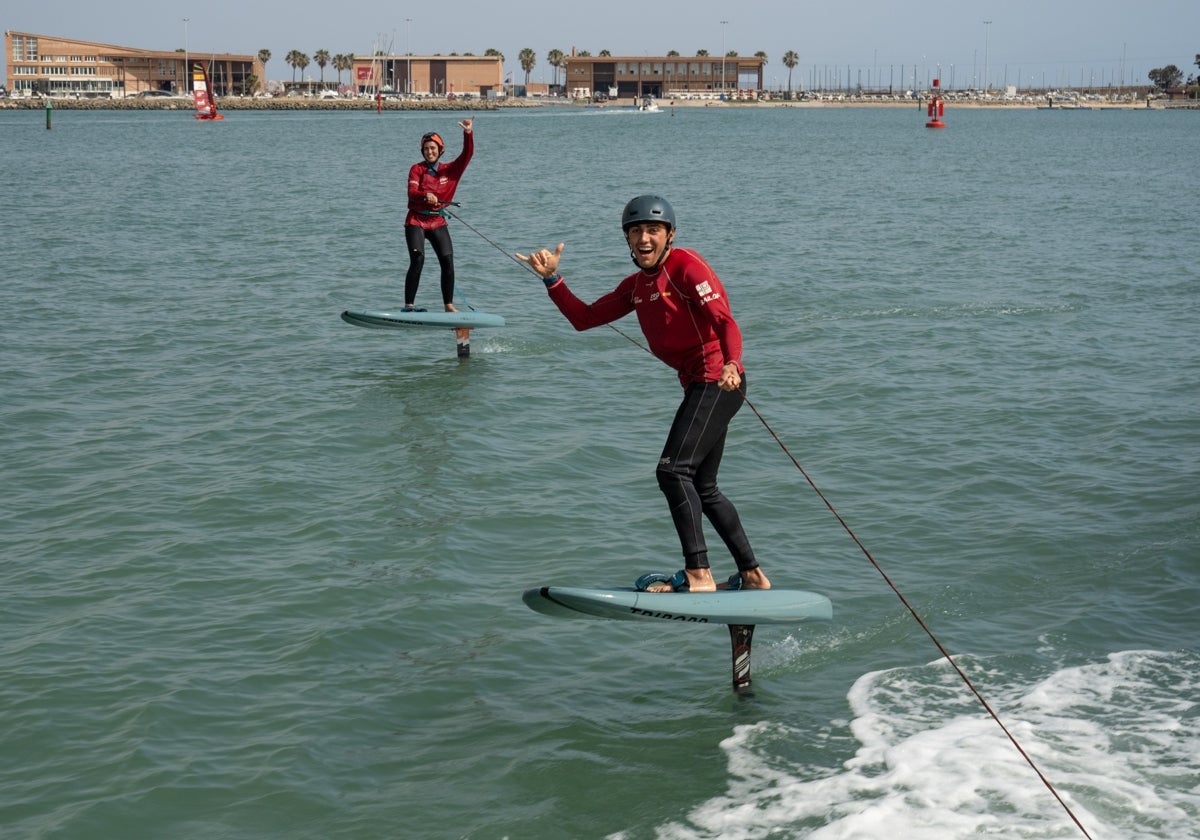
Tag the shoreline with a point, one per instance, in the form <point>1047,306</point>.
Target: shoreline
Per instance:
<point>301,104</point>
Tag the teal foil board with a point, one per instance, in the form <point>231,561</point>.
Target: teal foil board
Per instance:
<point>764,606</point>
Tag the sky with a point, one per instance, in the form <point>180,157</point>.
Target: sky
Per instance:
<point>1056,41</point>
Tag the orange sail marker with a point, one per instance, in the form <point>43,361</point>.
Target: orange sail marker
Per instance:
<point>206,104</point>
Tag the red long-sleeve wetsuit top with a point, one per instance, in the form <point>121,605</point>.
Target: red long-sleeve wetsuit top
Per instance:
<point>682,309</point>
<point>441,180</point>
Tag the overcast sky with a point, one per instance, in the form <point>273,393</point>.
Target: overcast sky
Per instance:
<point>1039,39</point>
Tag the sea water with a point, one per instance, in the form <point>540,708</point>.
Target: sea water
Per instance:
<point>261,569</point>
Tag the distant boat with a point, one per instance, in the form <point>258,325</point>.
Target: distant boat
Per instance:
<point>206,105</point>
<point>649,106</point>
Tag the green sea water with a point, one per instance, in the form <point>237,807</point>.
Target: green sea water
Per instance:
<point>260,571</point>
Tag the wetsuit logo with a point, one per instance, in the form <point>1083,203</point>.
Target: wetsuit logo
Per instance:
<point>706,292</point>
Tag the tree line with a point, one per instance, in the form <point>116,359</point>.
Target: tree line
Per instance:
<point>298,60</point>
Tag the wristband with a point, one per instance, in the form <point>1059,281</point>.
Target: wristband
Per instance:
<point>550,281</point>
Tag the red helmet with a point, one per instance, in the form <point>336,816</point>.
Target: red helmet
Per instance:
<point>436,138</point>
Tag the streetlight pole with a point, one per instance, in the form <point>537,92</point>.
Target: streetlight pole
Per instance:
<point>986,26</point>
<point>723,57</point>
<point>186,70</point>
<point>408,51</point>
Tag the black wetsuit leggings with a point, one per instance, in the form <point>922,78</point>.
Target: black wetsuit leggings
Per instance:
<point>687,474</point>
<point>439,238</point>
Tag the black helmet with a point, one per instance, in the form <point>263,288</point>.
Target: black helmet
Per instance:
<point>648,208</point>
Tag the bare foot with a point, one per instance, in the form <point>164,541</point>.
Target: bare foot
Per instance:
<point>701,580</point>
<point>450,307</point>
<point>755,579</point>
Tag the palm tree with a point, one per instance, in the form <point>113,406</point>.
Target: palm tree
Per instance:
<point>527,58</point>
<point>292,59</point>
<point>790,60</point>
<point>302,61</point>
<point>763,55</point>
<point>322,58</point>
<point>264,56</point>
<point>605,53</point>
<point>701,53</point>
<point>342,62</point>
<point>555,59</point>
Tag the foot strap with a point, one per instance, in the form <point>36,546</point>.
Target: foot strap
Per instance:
<point>678,581</point>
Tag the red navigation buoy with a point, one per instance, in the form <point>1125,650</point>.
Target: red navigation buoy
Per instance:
<point>937,108</point>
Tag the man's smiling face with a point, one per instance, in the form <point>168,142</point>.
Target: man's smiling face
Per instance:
<point>649,242</point>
